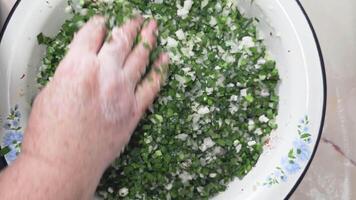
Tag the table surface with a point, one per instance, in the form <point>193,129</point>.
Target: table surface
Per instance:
<point>332,174</point>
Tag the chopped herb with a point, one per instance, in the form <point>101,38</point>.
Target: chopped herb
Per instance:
<point>43,39</point>
<point>209,124</point>
<point>5,151</point>
<point>157,70</point>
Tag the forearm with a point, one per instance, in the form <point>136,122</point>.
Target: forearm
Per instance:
<point>29,178</point>
<point>83,118</point>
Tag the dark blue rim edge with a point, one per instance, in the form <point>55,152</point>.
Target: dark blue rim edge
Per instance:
<point>323,71</point>
<point>4,164</point>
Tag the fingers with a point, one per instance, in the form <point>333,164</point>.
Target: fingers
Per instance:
<point>137,61</point>
<point>151,84</point>
<point>90,37</point>
<point>114,52</point>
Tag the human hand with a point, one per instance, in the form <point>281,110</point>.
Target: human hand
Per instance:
<point>85,116</point>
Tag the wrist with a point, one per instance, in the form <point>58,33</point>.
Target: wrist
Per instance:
<point>53,178</point>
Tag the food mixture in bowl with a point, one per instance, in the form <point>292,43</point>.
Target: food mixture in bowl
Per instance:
<point>212,118</point>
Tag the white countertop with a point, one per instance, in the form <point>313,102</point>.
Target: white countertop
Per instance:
<point>332,174</point>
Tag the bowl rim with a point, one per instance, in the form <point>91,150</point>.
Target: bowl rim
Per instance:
<point>322,121</point>
<point>3,162</point>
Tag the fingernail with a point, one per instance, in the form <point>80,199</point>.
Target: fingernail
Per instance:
<point>145,22</point>
<point>98,20</point>
<point>165,58</point>
<point>156,32</point>
<point>157,70</point>
<point>165,68</point>
<point>146,45</point>
<point>152,24</point>
<point>140,18</point>
<point>149,78</point>
<point>158,82</point>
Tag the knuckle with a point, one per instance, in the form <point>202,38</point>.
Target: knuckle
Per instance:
<point>88,64</point>
<point>121,37</point>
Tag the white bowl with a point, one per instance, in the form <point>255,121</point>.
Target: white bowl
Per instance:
<point>289,37</point>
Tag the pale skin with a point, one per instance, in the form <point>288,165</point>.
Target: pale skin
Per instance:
<point>82,120</point>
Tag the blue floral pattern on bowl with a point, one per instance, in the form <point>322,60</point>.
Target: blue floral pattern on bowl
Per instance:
<point>11,144</point>
<point>296,157</point>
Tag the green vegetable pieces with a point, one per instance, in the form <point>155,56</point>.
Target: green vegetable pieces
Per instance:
<point>210,122</point>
